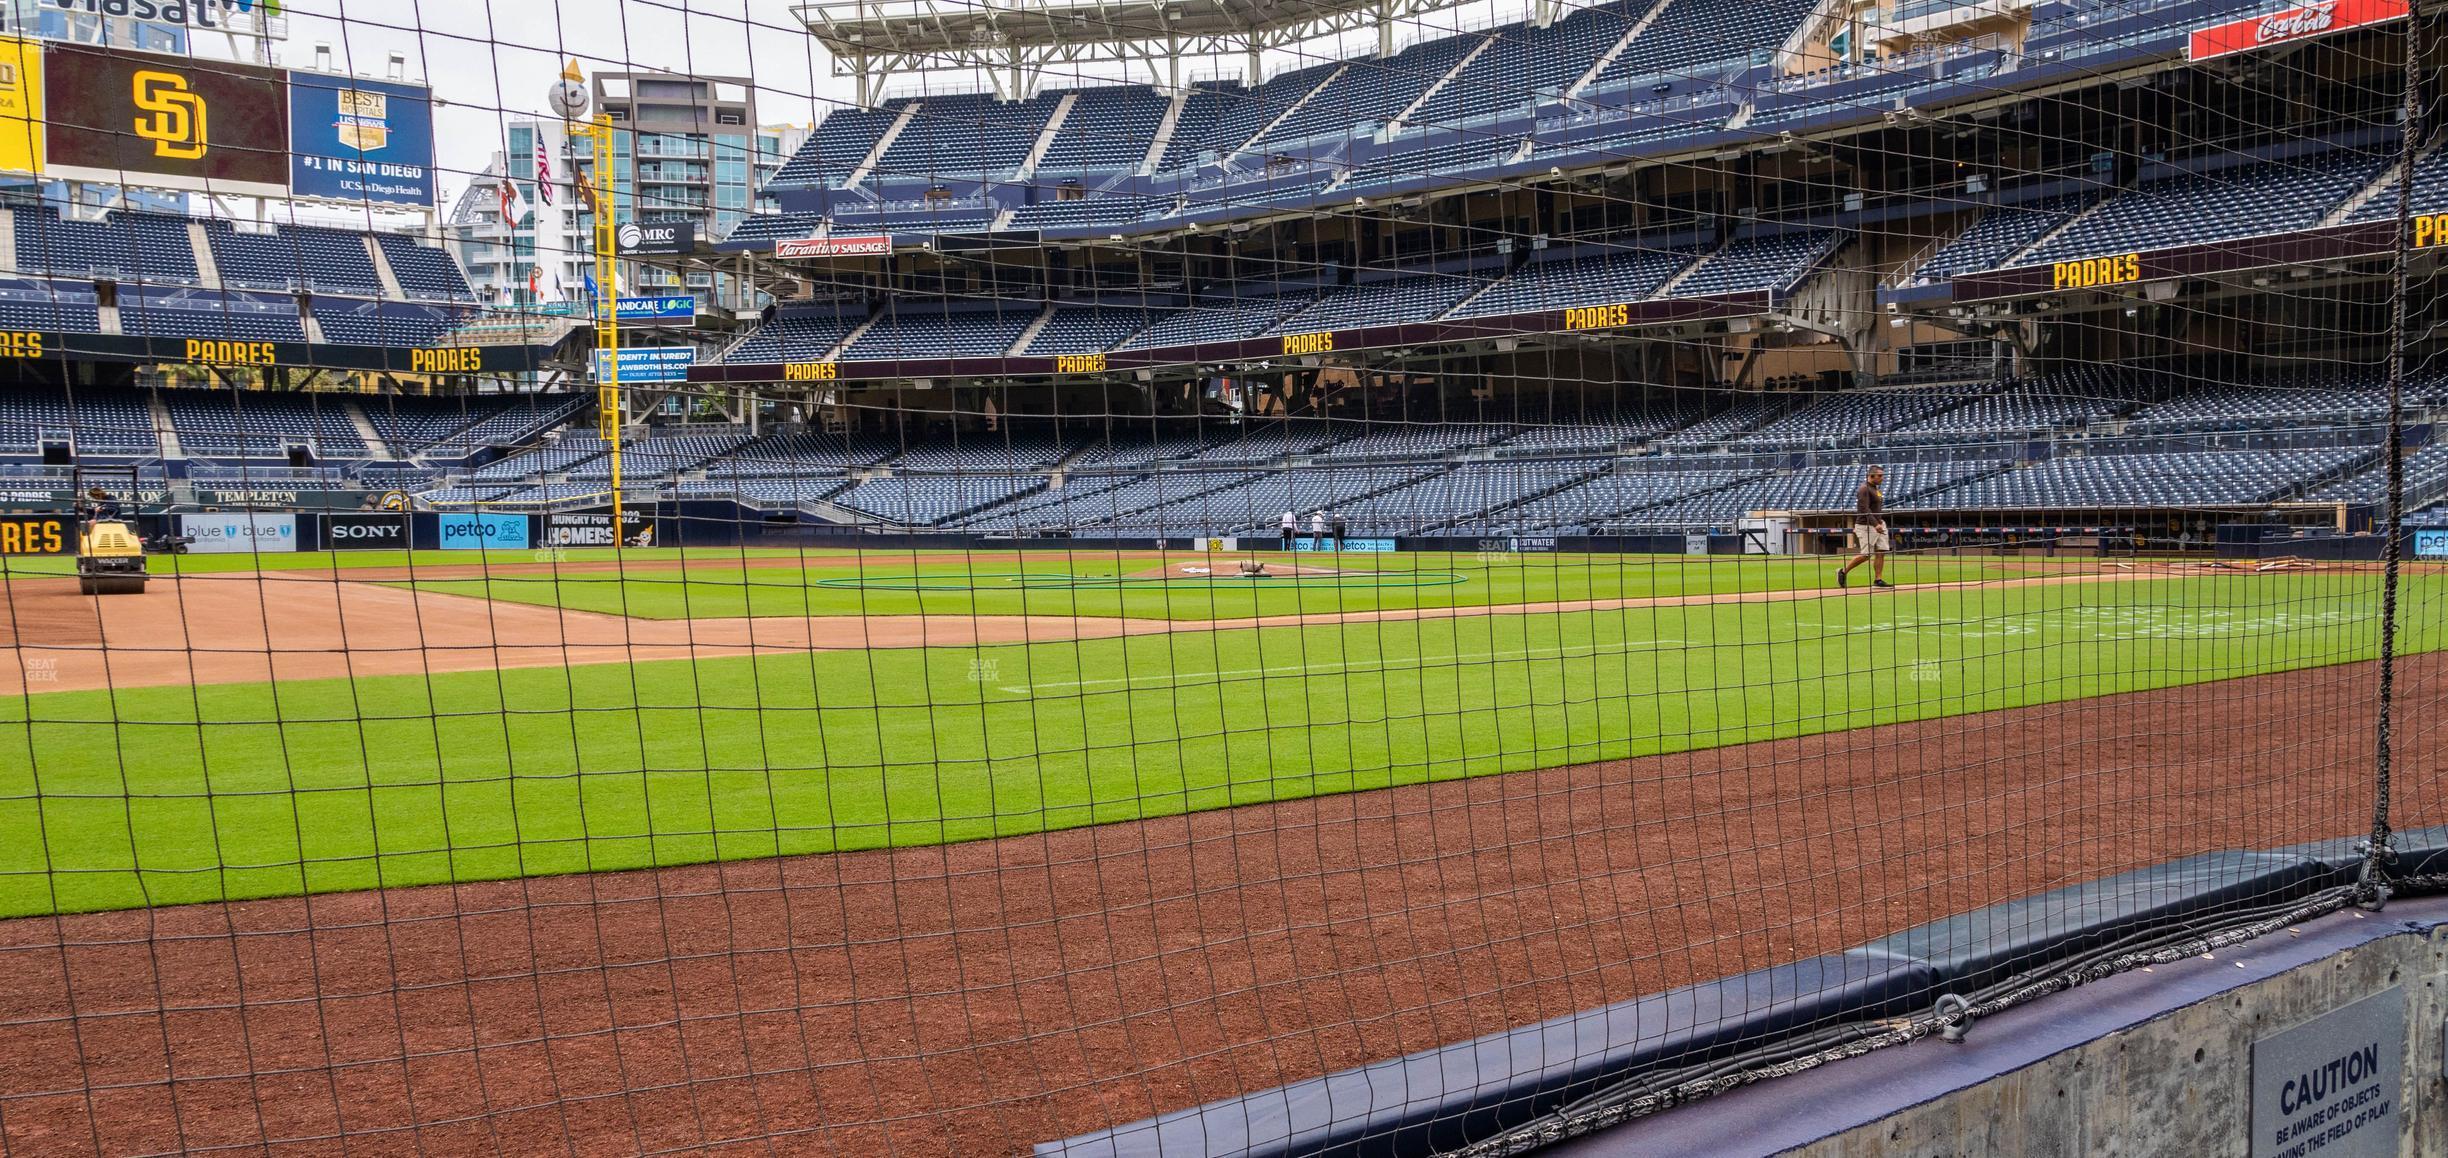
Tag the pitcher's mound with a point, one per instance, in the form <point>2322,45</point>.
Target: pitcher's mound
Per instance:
<point>1213,568</point>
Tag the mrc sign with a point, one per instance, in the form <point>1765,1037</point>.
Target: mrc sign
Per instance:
<point>2288,25</point>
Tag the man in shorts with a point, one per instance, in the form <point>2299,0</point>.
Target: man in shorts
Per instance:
<point>1869,531</point>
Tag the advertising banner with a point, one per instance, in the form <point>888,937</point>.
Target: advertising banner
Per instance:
<point>1350,546</point>
<point>2288,25</point>
<point>680,308</point>
<point>658,237</point>
<point>240,533</point>
<point>484,531</point>
<point>594,528</point>
<point>649,364</point>
<point>2431,544</point>
<point>832,247</point>
<point>372,531</point>
<point>21,105</point>
<point>37,535</point>
<point>360,140</point>
<point>175,121</point>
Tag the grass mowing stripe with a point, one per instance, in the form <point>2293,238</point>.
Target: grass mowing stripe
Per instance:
<point>167,795</point>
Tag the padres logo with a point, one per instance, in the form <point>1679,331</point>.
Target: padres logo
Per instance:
<point>393,501</point>
<point>175,120</point>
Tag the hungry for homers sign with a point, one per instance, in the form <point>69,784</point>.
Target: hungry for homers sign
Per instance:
<point>2288,25</point>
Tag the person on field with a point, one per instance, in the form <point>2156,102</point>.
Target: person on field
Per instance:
<point>1342,528</point>
<point>1291,529</point>
<point>1870,542</point>
<point>1317,530</point>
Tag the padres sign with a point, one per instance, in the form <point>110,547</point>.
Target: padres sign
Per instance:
<point>181,122</point>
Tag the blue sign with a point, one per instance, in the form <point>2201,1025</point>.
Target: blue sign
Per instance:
<point>2431,544</point>
<point>360,140</point>
<point>1350,546</point>
<point>481,531</point>
<point>651,363</point>
<point>676,308</point>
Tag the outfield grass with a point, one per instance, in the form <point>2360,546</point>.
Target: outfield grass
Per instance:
<point>163,795</point>
<point>1036,583</point>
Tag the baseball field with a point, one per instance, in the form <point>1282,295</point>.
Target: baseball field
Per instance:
<point>345,722</point>
<point>945,853</point>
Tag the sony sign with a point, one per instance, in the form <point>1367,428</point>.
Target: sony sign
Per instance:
<point>230,15</point>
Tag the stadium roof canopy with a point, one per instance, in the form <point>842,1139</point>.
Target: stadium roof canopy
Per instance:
<point>1015,40</point>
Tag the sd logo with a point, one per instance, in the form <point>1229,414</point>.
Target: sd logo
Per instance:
<point>175,120</point>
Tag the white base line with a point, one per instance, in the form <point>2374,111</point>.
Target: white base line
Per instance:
<point>1321,669</point>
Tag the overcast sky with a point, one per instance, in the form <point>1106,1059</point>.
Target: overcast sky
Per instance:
<point>491,60</point>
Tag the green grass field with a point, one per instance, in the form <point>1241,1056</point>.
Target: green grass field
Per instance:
<point>178,794</point>
<point>1040,583</point>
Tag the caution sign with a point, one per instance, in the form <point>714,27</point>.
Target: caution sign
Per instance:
<point>37,535</point>
<point>2334,1085</point>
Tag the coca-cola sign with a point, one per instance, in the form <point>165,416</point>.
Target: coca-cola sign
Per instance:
<point>2288,25</point>
<point>832,247</point>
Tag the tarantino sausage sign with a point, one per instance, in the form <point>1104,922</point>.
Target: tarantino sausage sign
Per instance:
<point>2288,25</point>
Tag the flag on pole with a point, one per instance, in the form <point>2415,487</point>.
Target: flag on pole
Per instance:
<point>513,203</point>
<point>544,177</point>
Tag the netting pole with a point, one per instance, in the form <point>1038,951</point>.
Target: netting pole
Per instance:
<point>2372,889</point>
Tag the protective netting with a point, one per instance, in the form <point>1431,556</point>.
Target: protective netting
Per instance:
<point>1129,557</point>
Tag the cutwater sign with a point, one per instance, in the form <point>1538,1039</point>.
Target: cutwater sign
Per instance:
<point>481,531</point>
<point>2333,1085</point>
<point>239,533</point>
<point>650,363</point>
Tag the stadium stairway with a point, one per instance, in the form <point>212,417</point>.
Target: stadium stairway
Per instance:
<point>378,448</point>
<point>1166,125</point>
<point>208,267</point>
<point>163,431</point>
<point>392,290</point>
<point>2014,259</point>
<point>1037,152</point>
<point>1285,113</point>
<point>1607,59</point>
<point>884,141</point>
<point>2386,182</point>
<point>1402,120</point>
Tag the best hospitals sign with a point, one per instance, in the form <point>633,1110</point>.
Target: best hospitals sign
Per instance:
<point>2288,25</point>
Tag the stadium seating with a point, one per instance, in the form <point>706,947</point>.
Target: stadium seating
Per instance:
<point>1607,500</point>
<point>2019,407</point>
<point>1369,92</point>
<point>260,424</point>
<point>2242,405</point>
<point>1817,488</point>
<point>1085,212</point>
<point>241,317</point>
<point>425,273</point>
<point>1416,298</point>
<point>1446,155</point>
<point>1088,329</point>
<point>841,141</point>
<point>924,500</point>
<point>970,135</point>
<point>364,323</point>
<point>1701,39</point>
<point>1246,111</point>
<point>96,420</point>
<point>2186,209</point>
<point>1214,320</point>
<point>1580,278</point>
<point>1525,62</point>
<point>927,330</point>
<point>1108,129</point>
<point>1194,131</point>
<point>798,333</point>
<point>2235,477</point>
<point>1772,262</point>
<point>1852,414</point>
<point>1999,233</point>
<point>48,305</point>
<point>136,247</point>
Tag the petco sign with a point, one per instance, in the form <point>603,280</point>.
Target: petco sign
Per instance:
<point>832,247</point>
<point>2289,25</point>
